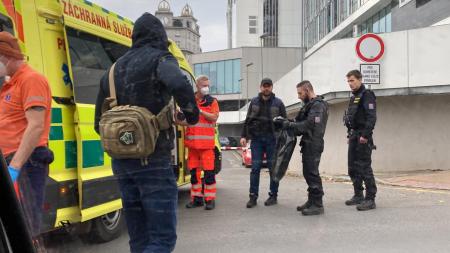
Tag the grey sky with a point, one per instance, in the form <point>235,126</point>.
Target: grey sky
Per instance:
<point>211,15</point>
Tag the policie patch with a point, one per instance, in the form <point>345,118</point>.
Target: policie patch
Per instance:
<point>371,106</point>
<point>317,120</point>
<point>127,138</point>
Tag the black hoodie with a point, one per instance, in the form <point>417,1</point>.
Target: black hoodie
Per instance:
<point>148,75</point>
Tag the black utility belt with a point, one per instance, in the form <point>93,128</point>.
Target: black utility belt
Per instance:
<point>41,153</point>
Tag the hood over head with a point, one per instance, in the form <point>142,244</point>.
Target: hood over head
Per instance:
<point>148,30</point>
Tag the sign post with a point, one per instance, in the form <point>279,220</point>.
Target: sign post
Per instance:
<point>370,49</point>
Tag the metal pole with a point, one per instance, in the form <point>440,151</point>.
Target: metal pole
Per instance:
<point>262,59</point>
<point>239,101</point>
<point>246,87</point>
<point>261,38</point>
<point>303,41</point>
<point>246,77</point>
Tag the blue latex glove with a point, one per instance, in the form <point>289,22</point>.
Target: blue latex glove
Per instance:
<point>14,173</point>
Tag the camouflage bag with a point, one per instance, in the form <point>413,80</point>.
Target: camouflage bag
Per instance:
<point>131,132</point>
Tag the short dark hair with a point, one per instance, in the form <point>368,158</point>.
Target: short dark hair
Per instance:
<point>356,73</point>
<point>305,84</point>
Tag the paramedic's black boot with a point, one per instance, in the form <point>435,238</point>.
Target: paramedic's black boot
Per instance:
<point>197,202</point>
<point>210,205</point>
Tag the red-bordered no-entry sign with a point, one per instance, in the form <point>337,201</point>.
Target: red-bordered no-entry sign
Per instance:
<point>370,47</point>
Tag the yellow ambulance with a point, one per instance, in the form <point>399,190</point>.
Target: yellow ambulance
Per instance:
<point>73,43</point>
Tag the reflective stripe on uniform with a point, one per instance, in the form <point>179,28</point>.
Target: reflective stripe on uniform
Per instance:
<point>196,186</point>
<point>204,125</point>
<point>210,187</point>
<point>200,137</point>
<point>210,194</point>
<point>196,194</point>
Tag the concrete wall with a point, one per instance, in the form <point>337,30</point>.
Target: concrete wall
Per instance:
<point>289,23</point>
<point>244,9</point>
<point>411,134</point>
<point>426,15</point>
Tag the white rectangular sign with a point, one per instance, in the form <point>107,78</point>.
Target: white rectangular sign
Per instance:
<point>370,73</point>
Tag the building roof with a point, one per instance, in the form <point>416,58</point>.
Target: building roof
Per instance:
<point>187,11</point>
<point>164,6</point>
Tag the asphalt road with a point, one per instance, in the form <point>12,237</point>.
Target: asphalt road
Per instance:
<point>406,220</point>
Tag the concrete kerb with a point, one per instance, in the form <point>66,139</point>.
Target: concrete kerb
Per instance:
<point>346,179</point>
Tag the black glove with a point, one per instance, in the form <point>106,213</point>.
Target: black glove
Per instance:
<point>281,122</point>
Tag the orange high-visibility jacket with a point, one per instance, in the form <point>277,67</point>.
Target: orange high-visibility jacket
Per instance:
<point>201,135</point>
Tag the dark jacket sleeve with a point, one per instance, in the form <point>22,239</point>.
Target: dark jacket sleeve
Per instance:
<point>316,115</point>
<point>244,133</point>
<point>370,112</point>
<point>283,110</point>
<point>178,85</point>
<point>102,94</point>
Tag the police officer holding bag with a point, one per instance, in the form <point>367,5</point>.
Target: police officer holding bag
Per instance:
<point>360,119</point>
<point>310,123</point>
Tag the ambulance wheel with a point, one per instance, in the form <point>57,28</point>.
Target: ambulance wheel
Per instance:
<point>106,228</point>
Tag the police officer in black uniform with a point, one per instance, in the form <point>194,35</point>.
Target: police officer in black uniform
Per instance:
<point>360,119</point>
<point>310,123</point>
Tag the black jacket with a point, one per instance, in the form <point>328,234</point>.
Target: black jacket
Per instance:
<point>148,75</point>
<point>311,123</point>
<point>259,121</point>
<point>361,114</point>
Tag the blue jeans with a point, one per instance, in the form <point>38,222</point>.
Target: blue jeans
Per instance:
<point>259,146</point>
<point>149,198</point>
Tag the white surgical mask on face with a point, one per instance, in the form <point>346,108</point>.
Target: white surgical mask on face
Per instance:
<point>3,71</point>
<point>204,91</point>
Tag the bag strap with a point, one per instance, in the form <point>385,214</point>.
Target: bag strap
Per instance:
<point>112,87</point>
<point>165,116</point>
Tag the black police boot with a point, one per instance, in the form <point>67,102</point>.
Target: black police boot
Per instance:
<point>355,200</point>
<point>272,200</point>
<point>252,202</point>
<point>366,205</point>
<point>210,205</point>
<point>307,204</point>
<point>316,208</point>
<point>197,202</point>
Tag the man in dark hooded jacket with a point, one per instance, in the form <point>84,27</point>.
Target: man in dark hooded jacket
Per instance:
<point>148,75</point>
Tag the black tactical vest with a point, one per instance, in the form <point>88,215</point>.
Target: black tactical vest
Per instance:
<point>354,115</point>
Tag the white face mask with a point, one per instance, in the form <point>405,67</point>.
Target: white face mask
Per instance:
<point>3,71</point>
<point>204,91</point>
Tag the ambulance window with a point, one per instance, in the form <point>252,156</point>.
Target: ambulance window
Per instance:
<point>6,24</point>
<point>90,57</point>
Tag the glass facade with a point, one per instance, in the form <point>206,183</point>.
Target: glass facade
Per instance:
<point>381,22</point>
<point>224,76</point>
<point>322,16</point>
<point>270,25</point>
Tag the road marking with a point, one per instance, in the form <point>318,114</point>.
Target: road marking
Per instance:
<point>236,155</point>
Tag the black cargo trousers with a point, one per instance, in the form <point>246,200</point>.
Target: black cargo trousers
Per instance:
<point>360,166</point>
<point>311,154</point>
